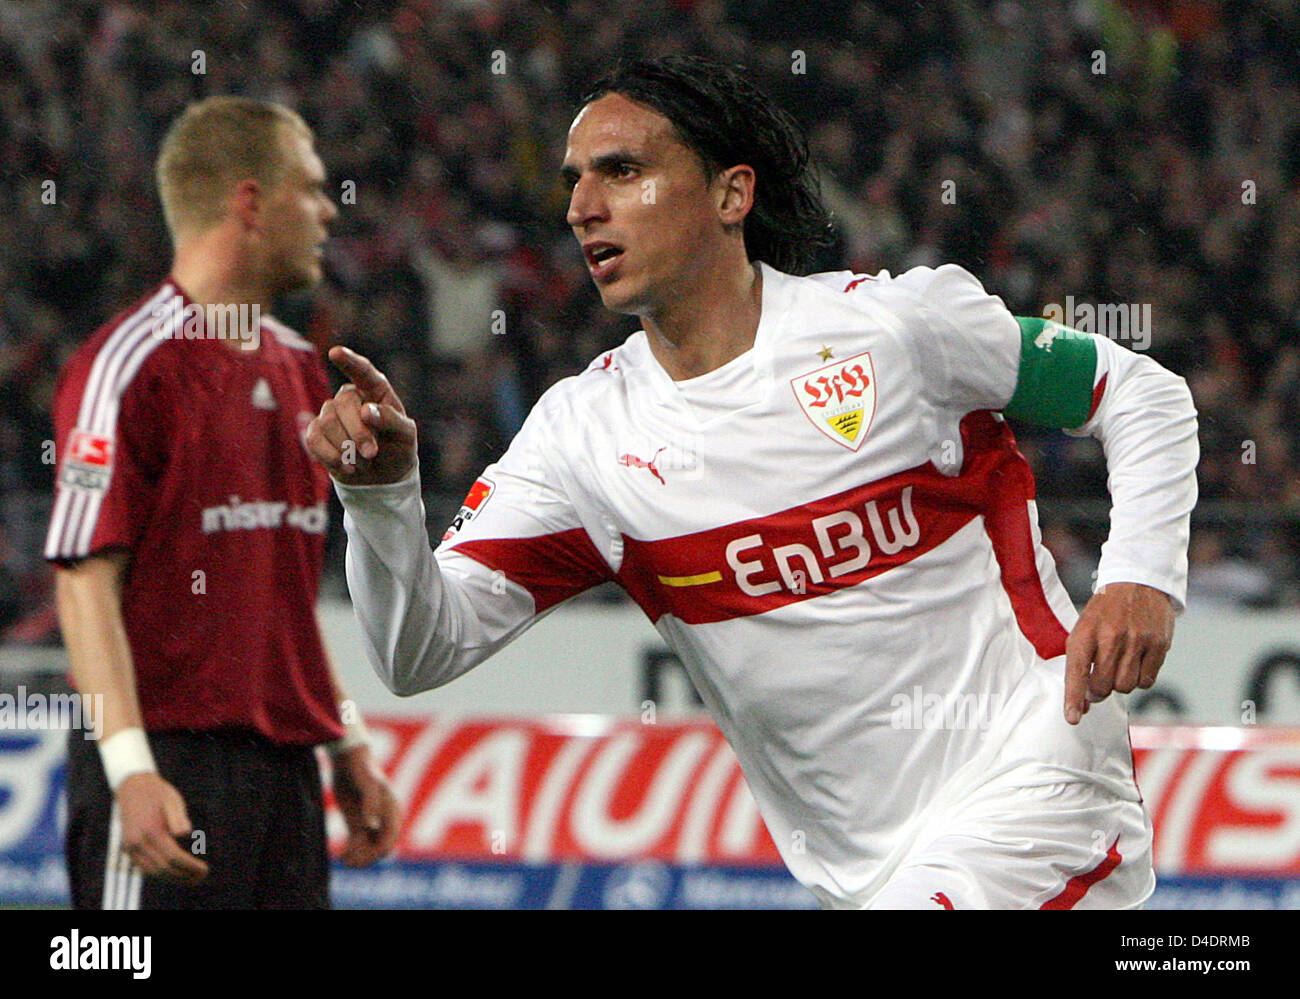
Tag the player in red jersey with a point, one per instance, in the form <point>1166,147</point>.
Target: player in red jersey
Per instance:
<point>188,528</point>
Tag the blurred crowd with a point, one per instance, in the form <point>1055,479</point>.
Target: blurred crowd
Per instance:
<point>1090,151</point>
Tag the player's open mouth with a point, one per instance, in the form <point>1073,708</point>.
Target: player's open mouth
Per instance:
<point>602,258</point>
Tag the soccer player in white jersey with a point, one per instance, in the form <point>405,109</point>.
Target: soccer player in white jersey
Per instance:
<point>807,484</point>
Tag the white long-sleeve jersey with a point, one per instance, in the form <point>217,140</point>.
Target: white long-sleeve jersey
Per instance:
<point>835,533</point>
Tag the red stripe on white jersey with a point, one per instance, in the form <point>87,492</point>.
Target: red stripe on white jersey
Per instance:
<point>1010,487</point>
<point>1078,885</point>
<point>1098,391</point>
<point>754,561</point>
<point>551,567</point>
<point>754,566</point>
<point>746,568</point>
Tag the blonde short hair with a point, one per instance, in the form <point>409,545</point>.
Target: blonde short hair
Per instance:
<point>211,147</point>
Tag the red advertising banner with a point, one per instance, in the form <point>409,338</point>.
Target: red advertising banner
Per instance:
<point>1222,800</point>
<point>596,789</point>
<point>570,788</point>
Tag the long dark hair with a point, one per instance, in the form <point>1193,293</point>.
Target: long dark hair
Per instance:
<point>726,120</point>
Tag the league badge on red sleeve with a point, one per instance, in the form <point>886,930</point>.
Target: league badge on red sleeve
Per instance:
<point>840,399</point>
<point>88,463</point>
<point>479,493</point>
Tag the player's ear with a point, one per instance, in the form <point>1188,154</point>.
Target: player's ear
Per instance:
<point>734,193</point>
<point>246,202</point>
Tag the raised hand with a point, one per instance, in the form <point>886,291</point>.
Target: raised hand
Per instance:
<point>363,435</point>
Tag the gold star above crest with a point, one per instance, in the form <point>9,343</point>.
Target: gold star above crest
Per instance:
<point>824,353</point>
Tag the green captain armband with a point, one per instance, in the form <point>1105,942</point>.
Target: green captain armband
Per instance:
<point>1057,367</point>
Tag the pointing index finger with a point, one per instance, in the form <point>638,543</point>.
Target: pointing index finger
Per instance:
<point>1078,662</point>
<point>368,379</point>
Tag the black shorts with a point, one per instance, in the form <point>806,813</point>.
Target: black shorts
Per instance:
<point>258,816</point>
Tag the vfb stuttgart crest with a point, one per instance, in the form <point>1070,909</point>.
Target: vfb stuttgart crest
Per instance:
<point>840,399</point>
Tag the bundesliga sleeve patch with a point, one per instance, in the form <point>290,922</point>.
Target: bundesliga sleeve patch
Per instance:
<point>88,463</point>
<point>479,493</point>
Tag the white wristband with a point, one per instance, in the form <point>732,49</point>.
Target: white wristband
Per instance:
<point>355,734</point>
<point>125,753</point>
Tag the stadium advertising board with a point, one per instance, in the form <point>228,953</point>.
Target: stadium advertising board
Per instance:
<point>590,812</point>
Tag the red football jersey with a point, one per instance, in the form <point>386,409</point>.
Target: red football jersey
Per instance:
<point>189,454</point>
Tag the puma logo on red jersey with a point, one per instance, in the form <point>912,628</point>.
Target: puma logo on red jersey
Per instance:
<point>632,461</point>
<point>941,900</point>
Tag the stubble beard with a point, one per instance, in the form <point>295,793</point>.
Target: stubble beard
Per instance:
<point>288,278</point>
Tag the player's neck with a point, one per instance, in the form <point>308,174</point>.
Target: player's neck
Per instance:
<point>210,275</point>
<point>702,332</point>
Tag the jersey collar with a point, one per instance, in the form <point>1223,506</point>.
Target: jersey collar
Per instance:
<point>772,317</point>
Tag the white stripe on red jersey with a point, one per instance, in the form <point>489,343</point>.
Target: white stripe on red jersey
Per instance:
<point>135,337</point>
